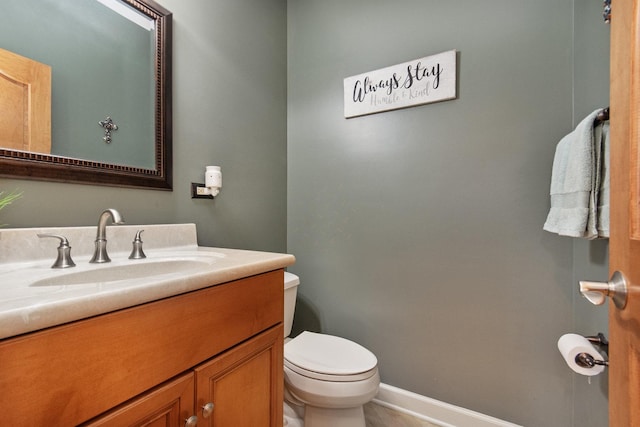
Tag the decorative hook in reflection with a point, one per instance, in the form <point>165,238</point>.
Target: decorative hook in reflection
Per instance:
<point>108,126</point>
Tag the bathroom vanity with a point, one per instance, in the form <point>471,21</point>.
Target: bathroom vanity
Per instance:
<point>199,348</point>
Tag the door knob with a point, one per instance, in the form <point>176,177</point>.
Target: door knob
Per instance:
<point>616,289</point>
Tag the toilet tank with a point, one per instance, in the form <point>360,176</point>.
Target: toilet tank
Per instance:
<point>291,282</point>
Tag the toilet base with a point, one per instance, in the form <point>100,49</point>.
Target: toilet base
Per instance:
<point>331,417</point>
<point>293,415</point>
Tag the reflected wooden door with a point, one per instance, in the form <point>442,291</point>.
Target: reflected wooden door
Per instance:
<point>624,324</point>
<point>25,104</point>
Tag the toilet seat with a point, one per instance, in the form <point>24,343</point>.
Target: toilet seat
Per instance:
<point>329,358</point>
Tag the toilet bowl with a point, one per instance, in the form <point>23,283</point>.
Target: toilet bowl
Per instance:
<point>327,378</point>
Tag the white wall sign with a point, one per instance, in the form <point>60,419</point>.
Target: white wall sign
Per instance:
<point>422,81</point>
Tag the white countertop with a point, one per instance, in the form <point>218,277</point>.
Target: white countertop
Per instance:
<point>27,305</point>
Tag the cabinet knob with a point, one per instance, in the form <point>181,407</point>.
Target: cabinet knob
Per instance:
<point>207,410</point>
<point>192,421</point>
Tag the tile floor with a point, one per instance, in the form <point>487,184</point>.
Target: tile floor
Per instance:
<point>380,416</point>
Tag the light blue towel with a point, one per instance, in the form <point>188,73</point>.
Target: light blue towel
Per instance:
<point>603,196</point>
<point>580,183</point>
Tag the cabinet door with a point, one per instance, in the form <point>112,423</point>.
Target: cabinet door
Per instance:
<point>245,384</point>
<point>168,405</point>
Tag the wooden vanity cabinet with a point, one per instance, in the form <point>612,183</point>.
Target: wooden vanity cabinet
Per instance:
<point>156,364</point>
<point>240,388</point>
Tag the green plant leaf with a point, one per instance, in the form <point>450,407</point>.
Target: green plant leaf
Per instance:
<point>9,198</point>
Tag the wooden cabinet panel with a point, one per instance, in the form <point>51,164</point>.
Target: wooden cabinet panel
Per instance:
<point>166,406</point>
<point>245,384</point>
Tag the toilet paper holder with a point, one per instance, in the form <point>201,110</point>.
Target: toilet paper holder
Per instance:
<point>585,360</point>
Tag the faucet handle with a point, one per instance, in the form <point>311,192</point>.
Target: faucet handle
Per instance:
<point>137,252</point>
<point>64,251</point>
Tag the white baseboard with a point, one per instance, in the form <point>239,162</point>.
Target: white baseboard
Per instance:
<point>434,411</point>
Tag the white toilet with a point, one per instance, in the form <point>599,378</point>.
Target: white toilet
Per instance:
<point>326,378</point>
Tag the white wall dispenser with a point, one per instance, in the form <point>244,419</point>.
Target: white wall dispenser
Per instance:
<point>212,184</point>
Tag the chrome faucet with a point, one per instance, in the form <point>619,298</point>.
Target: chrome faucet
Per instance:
<point>100,253</point>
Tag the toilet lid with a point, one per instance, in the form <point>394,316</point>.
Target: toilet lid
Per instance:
<point>327,354</point>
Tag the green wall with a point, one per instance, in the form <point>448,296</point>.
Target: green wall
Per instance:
<point>418,232</point>
<point>590,258</point>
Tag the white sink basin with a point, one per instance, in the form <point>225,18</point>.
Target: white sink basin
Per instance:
<point>120,272</point>
<point>34,296</point>
<point>134,271</point>
<point>156,267</point>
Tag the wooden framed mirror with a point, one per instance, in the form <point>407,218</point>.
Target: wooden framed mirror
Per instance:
<point>70,165</point>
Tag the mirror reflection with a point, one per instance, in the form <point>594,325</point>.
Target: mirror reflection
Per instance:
<point>110,107</point>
